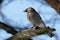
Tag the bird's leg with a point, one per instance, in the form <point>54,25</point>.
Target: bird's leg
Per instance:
<point>35,27</point>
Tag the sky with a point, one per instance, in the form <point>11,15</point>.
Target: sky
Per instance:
<point>13,15</point>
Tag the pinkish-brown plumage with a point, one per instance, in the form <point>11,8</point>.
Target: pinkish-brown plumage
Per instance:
<point>34,17</point>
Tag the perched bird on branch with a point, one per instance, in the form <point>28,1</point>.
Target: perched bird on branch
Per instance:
<point>36,19</point>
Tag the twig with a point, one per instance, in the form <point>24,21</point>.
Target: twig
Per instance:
<point>9,29</point>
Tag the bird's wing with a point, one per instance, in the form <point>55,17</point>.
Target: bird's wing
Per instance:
<point>41,19</point>
<point>38,15</point>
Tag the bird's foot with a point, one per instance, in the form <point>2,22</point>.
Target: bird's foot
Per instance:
<point>35,28</point>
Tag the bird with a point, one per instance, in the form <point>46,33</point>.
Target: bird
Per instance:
<point>34,17</point>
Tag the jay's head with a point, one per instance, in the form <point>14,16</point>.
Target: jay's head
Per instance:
<point>30,9</point>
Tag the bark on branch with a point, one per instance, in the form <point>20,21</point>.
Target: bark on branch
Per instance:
<point>8,28</point>
<point>54,4</point>
<point>29,33</point>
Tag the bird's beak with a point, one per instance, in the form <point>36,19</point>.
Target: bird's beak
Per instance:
<point>25,10</point>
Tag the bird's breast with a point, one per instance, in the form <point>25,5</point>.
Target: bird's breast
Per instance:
<point>30,16</point>
<point>34,19</point>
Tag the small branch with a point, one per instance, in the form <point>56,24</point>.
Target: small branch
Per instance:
<point>29,33</point>
<point>8,28</point>
<point>54,4</point>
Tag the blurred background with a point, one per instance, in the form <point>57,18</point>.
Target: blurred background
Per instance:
<point>13,15</point>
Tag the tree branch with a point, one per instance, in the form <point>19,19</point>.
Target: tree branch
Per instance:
<point>8,28</point>
<point>29,33</point>
<point>54,4</point>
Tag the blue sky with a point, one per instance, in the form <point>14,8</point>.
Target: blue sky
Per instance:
<point>15,17</point>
